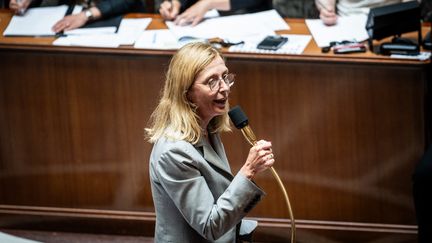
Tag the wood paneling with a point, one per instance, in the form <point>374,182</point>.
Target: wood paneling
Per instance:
<point>339,140</point>
<point>73,129</point>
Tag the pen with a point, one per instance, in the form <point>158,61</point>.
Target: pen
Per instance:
<point>171,5</point>
<point>60,34</point>
<point>154,38</point>
<point>20,10</point>
<point>322,5</point>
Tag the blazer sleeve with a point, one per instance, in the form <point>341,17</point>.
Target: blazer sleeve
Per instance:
<point>247,4</point>
<point>109,8</point>
<point>185,4</point>
<point>235,4</point>
<point>212,217</point>
<point>329,4</point>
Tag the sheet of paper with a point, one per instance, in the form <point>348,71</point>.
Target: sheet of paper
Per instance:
<point>77,9</point>
<point>92,31</point>
<point>351,28</point>
<point>105,41</point>
<point>14,239</point>
<point>295,45</point>
<point>235,26</point>
<point>130,30</point>
<point>157,39</point>
<point>35,22</point>
<point>271,19</point>
<point>423,56</point>
<point>211,14</point>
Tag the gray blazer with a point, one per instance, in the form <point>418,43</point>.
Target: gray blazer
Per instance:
<point>196,197</point>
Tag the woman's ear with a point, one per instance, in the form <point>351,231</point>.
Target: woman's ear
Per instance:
<point>187,95</point>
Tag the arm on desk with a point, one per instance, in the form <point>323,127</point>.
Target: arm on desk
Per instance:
<point>104,9</point>
<point>74,21</point>
<point>110,8</point>
<point>194,14</point>
<point>327,10</point>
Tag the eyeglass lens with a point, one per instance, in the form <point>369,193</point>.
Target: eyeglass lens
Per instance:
<point>228,79</point>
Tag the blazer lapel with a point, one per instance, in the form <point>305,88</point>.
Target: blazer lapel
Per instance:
<point>219,149</point>
<point>212,156</point>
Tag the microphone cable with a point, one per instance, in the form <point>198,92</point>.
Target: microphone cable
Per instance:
<point>240,120</point>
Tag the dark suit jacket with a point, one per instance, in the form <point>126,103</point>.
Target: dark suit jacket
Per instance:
<point>111,8</point>
<point>237,6</point>
<point>108,8</point>
<point>196,197</point>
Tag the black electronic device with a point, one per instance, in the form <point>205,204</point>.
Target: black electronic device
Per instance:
<point>426,7</point>
<point>393,20</point>
<point>272,42</point>
<point>427,43</point>
<point>344,47</point>
<point>352,47</point>
<point>399,46</point>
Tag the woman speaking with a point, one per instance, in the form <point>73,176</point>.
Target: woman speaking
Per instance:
<point>196,196</point>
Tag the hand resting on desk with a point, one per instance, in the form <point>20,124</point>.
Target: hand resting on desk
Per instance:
<point>194,14</point>
<point>74,21</point>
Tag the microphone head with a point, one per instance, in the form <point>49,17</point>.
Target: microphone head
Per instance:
<point>238,117</point>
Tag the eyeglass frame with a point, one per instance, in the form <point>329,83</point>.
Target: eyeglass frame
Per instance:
<point>217,81</point>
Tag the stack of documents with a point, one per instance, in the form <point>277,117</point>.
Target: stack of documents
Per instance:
<point>350,28</point>
<point>248,28</point>
<point>128,32</point>
<point>422,56</point>
<point>39,22</point>
<point>235,26</point>
<point>295,45</point>
<point>158,39</point>
<point>36,21</point>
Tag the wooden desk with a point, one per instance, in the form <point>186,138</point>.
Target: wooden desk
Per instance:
<point>347,132</point>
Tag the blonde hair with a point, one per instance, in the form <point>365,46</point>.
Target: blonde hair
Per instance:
<point>175,116</point>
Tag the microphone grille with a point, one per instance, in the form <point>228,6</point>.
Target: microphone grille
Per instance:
<point>238,117</point>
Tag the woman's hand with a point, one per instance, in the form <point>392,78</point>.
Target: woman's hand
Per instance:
<point>194,14</point>
<point>169,9</point>
<point>260,158</point>
<point>70,22</point>
<point>328,17</point>
<point>19,6</point>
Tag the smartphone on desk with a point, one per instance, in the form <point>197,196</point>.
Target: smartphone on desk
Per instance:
<point>272,42</point>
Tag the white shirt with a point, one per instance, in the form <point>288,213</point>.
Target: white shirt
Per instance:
<point>349,7</point>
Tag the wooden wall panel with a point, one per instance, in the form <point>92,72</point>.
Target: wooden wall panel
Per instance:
<point>346,137</point>
<point>72,130</point>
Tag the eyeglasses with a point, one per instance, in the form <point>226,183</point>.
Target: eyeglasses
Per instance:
<point>218,42</point>
<point>214,84</point>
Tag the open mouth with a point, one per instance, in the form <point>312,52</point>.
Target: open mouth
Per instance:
<point>220,102</point>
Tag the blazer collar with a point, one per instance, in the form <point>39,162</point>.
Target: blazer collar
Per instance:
<point>216,156</point>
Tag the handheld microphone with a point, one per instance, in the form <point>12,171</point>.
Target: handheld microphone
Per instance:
<point>240,121</point>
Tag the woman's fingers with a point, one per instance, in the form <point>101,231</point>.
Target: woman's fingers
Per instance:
<point>260,158</point>
<point>328,17</point>
<point>169,10</point>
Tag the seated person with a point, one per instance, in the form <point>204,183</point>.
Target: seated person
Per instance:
<point>102,9</point>
<point>330,9</point>
<point>185,12</point>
